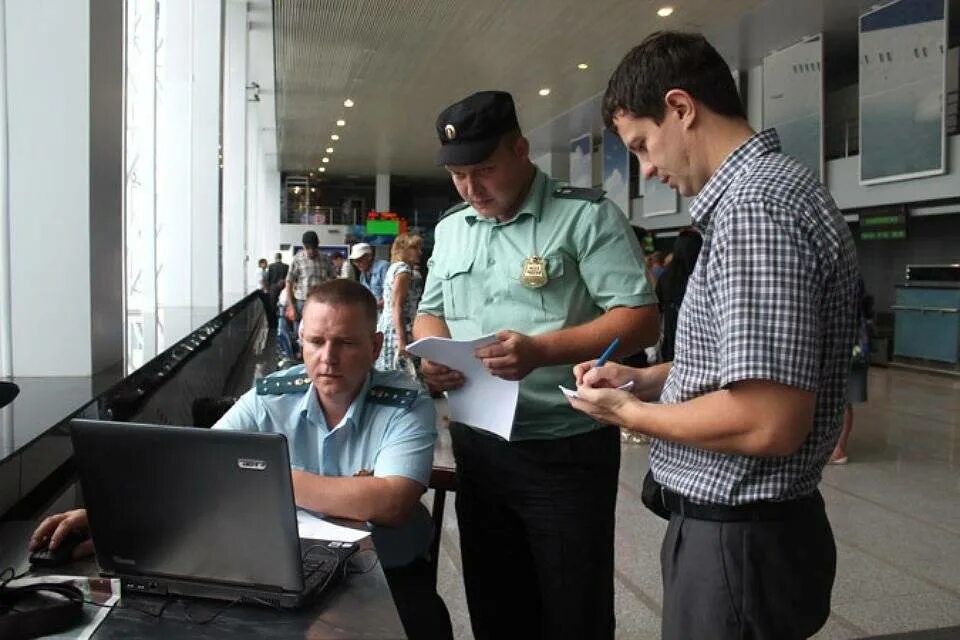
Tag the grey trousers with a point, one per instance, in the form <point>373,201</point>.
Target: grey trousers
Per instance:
<point>747,580</point>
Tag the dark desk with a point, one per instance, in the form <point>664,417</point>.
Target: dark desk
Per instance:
<point>360,606</point>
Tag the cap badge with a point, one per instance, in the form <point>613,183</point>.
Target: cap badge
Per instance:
<point>451,131</point>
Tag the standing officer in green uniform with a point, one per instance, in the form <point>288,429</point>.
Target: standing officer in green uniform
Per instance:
<point>556,273</point>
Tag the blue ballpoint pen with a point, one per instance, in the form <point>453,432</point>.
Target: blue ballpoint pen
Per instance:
<point>602,360</point>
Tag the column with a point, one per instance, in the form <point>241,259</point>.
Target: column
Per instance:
<point>382,194</point>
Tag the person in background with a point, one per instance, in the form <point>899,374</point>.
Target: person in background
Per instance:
<point>308,269</point>
<point>672,285</point>
<point>337,260</point>
<point>554,273</point>
<point>348,271</point>
<point>750,407</point>
<point>261,275</point>
<point>396,320</point>
<point>286,338</point>
<point>371,270</point>
<point>416,286</point>
<point>355,452</point>
<point>857,381</point>
<point>276,280</point>
<point>655,264</point>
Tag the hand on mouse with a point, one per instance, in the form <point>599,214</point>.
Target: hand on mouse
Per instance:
<point>55,528</point>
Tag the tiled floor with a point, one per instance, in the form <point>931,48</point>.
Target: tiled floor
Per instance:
<point>895,510</point>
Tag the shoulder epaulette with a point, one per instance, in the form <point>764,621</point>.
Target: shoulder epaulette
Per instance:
<point>579,193</point>
<point>452,210</point>
<point>282,385</point>
<point>392,396</point>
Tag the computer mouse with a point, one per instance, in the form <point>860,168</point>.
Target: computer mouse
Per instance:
<point>63,554</point>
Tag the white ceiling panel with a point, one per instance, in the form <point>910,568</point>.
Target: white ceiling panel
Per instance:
<point>402,61</point>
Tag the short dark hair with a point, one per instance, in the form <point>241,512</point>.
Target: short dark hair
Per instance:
<point>310,239</point>
<point>668,60</point>
<point>342,292</point>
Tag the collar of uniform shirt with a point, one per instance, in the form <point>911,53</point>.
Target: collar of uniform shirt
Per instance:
<point>532,203</point>
<point>314,412</point>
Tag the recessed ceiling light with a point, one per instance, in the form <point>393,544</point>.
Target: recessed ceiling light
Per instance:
<point>329,149</point>
<point>324,159</point>
<point>322,169</point>
<point>334,136</point>
<point>348,103</point>
<point>341,123</point>
<point>313,189</point>
<point>582,66</point>
<point>544,91</point>
<point>663,12</point>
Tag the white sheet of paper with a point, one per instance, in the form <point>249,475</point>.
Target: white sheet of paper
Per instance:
<point>484,401</point>
<point>570,393</point>
<point>312,527</point>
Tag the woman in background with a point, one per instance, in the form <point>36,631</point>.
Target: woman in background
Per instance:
<point>857,380</point>
<point>399,309</point>
<point>672,285</point>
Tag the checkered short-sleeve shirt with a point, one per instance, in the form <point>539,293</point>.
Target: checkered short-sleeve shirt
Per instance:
<point>306,273</point>
<point>772,297</point>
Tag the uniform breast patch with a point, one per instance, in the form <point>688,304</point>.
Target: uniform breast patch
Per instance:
<point>392,396</point>
<point>579,193</point>
<point>282,385</point>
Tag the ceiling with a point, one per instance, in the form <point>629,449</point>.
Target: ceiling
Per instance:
<point>403,61</point>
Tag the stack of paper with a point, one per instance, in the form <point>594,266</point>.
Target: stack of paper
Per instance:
<point>312,527</point>
<point>484,401</point>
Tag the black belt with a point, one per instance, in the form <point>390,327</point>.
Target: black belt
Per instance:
<point>754,511</point>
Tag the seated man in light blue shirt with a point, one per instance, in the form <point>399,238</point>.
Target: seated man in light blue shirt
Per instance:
<point>361,444</point>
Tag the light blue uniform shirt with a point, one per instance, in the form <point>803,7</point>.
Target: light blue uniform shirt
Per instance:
<point>373,436</point>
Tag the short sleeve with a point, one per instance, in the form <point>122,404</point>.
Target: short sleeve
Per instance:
<point>611,261</point>
<point>408,444</point>
<point>244,415</point>
<point>431,302</point>
<point>764,288</point>
<point>293,273</point>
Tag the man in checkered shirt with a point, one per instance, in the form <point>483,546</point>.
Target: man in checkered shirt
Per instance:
<point>751,406</point>
<point>308,269</point>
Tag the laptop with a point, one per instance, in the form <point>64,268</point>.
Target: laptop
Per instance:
<point>196,512</point>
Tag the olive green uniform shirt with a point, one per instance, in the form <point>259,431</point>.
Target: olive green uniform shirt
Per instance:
<point>594,263</point>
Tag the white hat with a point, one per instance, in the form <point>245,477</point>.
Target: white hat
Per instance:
<point>359,250</point>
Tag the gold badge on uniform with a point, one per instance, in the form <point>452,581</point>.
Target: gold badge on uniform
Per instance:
<point>533,273</point>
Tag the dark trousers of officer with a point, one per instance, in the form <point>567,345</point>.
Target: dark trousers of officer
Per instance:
<point>767,579</point>
<point>536,533</point>
<point>422,612</point>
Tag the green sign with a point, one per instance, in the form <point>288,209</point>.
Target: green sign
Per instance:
<point>883,223</point>
<point>383,227</point>
<point>891,234</point>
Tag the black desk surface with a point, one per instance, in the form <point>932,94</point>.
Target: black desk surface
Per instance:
<point>358,607</point>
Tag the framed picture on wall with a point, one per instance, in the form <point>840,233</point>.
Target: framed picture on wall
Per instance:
<point>902,86</point>
<point>658,199</point>
<point>793,101</point>
<point>616,171</point>
<point>581,161</point>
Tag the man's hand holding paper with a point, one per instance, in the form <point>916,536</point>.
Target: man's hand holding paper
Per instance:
<point>511,357</point>
<point>440,377</point>
<point>482,399</point>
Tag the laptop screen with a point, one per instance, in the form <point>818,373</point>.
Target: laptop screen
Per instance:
<point>188,503</point>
